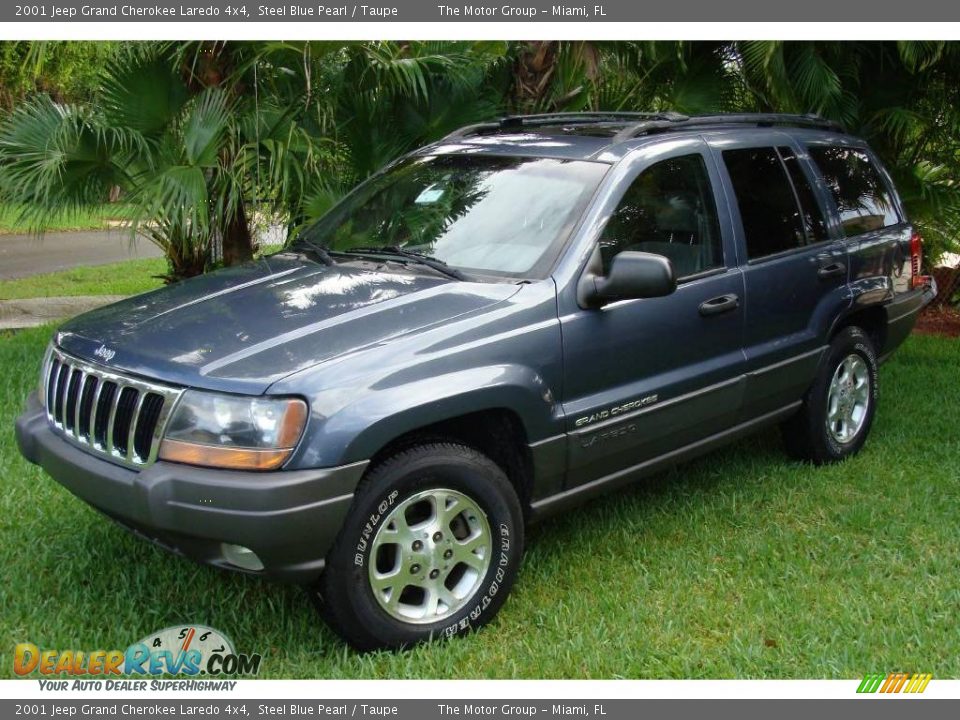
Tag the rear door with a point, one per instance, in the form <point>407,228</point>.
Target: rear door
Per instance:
<point>794,266</point>
<point>869,219</point>
<point>643,377</point>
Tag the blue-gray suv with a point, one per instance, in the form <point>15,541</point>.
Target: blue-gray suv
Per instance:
<point>496,327</point>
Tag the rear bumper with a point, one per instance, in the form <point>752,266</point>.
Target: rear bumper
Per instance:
<point>289,519</point>
<point>902,314</point>
<point>929,290</point>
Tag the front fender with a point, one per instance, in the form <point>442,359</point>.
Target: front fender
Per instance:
<point>372,417</point>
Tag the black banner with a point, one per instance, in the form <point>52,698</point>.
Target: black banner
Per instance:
<point>220,11</point>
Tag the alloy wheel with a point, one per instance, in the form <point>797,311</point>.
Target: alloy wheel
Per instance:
<point>429,556</point>
<point>848,399</point>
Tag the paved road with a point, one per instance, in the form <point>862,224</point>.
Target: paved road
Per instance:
<point>22,255</point>
<point>30,312</point>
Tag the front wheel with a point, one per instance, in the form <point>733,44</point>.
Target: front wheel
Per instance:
<point>430,549</point>
<point>838,409</point>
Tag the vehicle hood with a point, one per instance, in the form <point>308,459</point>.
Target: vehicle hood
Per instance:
<point>243,328</point>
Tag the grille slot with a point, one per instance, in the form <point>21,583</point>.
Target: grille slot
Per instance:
<point>123,418</point>
<point>86,405</point>
<point>108,392</point>
<point>150,410</point>
<point>63,372</point>
<point>110,414</point>
<point>73,391</point>
<point>51,382</point>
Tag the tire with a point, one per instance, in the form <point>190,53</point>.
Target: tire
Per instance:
<point>811,435</point>
<point>439,529</point>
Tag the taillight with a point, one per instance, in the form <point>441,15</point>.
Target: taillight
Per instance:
<point>916,256</point>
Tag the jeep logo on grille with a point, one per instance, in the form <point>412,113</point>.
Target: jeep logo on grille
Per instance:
<point>105,353</point>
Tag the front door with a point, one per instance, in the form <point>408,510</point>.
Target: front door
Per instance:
<point>643,377</point>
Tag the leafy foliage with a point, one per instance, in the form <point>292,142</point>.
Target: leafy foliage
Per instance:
<point>66,71</point>
<point>901,97</point>
<point>208,140</point>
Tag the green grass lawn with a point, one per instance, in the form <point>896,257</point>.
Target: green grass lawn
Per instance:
<point>742,564</point>
<point>81,219</point>
<point>129,277</point>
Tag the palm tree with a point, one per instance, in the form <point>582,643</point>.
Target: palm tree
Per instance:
<point>383,99</point>
<point>188,151</point>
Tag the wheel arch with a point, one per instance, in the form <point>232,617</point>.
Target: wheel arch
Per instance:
<point>498,433</point>
<point>872,319</point>
<point>504,411</point>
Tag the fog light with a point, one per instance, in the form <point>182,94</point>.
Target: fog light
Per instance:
<point>241,556</point>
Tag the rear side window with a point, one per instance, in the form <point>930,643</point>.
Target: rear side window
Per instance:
<point>669,211</point>
<point>863,199</point>
<point>768,206</point>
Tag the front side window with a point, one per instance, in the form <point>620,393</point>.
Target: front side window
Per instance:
<point>483,214</point>
<point>863,199</point>
<point>771,217</point>
<point>668,210</point>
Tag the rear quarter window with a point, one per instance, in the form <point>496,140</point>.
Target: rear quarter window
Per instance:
<point>862,197</point>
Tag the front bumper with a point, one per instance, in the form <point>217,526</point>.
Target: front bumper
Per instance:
<point>288,518</point>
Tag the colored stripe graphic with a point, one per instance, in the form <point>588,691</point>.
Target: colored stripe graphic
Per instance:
<point>919,682</point>
<point>871,683</point>
<point>894,683</point>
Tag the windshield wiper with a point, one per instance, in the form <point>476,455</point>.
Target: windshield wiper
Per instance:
<point>316,249</point>
<point>392,250</point>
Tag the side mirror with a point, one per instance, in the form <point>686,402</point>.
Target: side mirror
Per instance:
<point>632,275</point>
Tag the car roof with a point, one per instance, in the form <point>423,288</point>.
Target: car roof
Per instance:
<point>603,137</point>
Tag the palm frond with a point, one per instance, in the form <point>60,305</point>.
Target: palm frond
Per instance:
<point>144,93</point>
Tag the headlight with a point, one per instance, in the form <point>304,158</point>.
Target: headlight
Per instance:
<point>230,431</point>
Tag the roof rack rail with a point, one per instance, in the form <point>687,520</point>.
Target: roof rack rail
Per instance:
<point>678,121</point>
<point>518,122</point>
<point>644,123</point>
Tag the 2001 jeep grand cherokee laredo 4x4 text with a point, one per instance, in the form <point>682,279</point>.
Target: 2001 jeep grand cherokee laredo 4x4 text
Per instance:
<point>500,325</point>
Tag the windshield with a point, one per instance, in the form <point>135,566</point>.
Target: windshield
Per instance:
<point>481,214</point>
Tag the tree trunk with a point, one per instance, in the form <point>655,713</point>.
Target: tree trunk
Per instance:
<point>215,62</point>
<point>184,260</point>
<point>533,71</point>
<point>535,85</point>
<point>237,240</point>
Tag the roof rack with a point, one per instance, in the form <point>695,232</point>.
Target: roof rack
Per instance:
<point>518,122</point>
<point>645,123</point>
<point>677,122</point>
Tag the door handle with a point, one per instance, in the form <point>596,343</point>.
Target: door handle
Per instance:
<point>717,305</point>
<point>831,270</point>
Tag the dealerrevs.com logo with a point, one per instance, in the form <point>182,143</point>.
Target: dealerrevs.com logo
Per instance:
<point>191,650</point>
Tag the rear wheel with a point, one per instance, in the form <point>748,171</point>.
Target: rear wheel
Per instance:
<point>430,549</point>
<point>838,409</point>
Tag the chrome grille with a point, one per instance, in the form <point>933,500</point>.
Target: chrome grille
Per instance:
<point>107,413</point>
